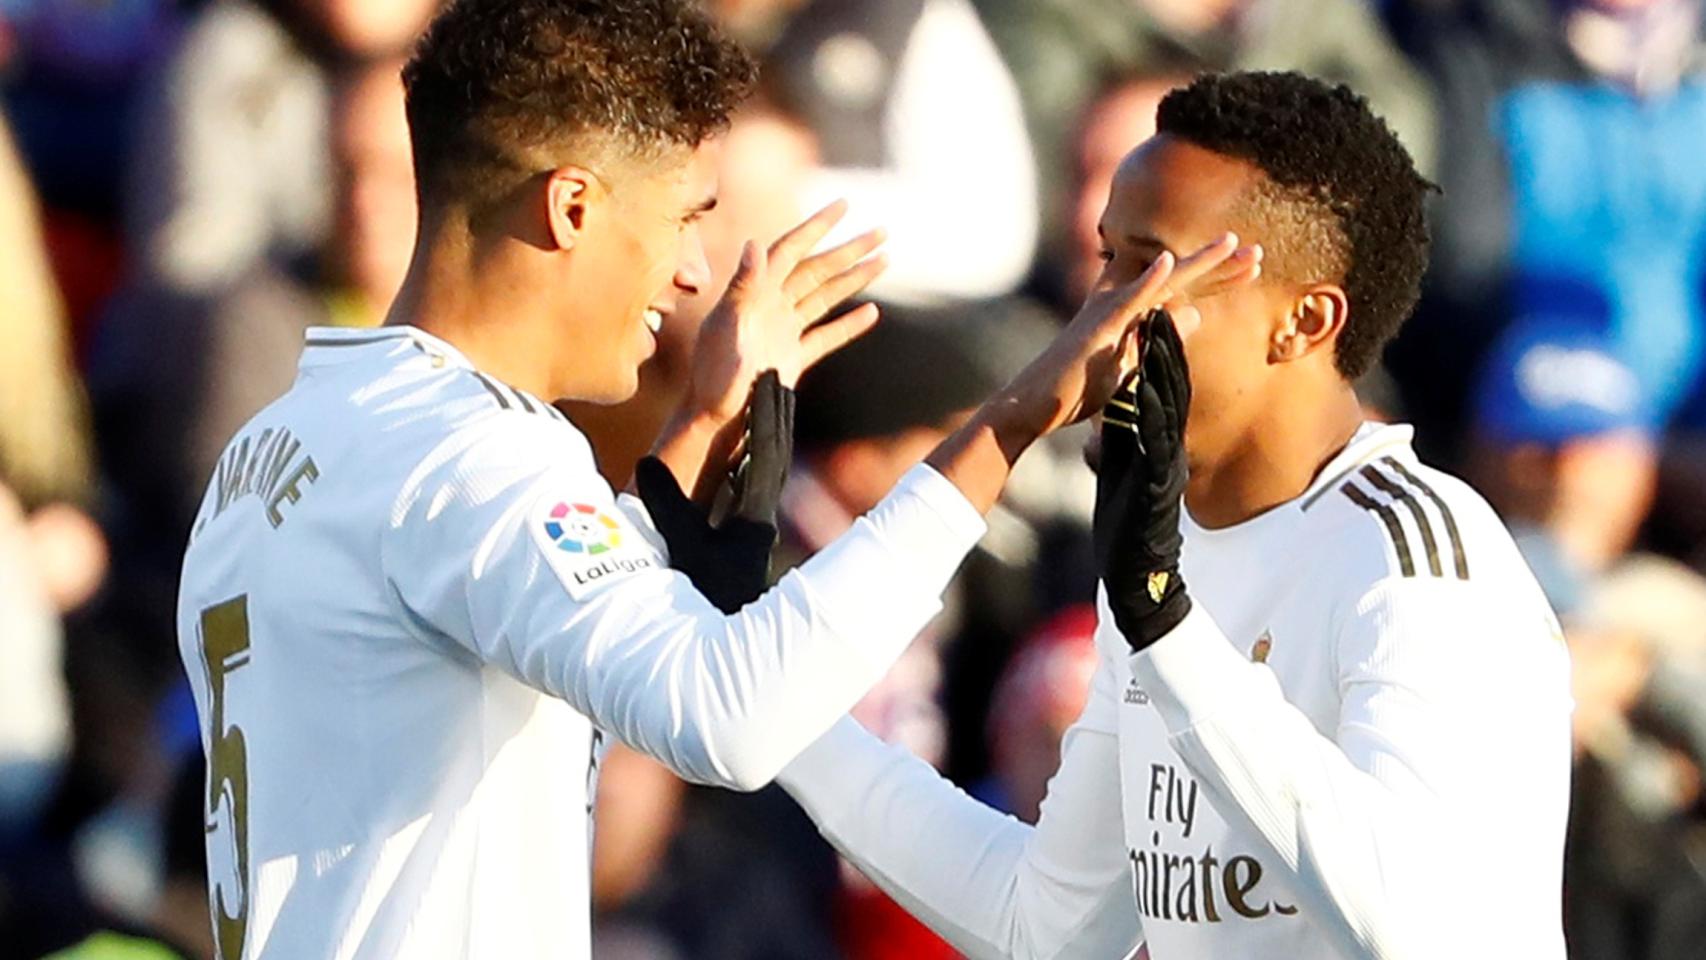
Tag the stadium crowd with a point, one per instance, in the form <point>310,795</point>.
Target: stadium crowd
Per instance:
<point>186,186</point>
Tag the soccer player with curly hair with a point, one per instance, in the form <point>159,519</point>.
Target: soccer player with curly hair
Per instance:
<point>1332,714</point>
<point>412,612</point>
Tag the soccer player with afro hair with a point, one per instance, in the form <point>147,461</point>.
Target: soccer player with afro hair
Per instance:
<point>1331,718</point>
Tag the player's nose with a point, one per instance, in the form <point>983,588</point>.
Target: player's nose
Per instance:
<point>693,269</point>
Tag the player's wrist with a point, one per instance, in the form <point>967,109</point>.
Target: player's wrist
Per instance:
<point>1149,606</point>
<point>697,447</point>
<point>1012,422</point>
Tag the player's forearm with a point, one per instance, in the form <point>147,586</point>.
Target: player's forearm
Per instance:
<point>990,885</point>
<point>979,457</point>
<point>729,700</point>
<point>913,834</point>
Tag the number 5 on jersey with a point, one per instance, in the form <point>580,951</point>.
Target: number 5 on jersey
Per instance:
<point>225,650</point>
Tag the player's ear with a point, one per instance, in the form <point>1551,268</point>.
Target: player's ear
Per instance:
<point>1313,323</point>
<point>568,191</point>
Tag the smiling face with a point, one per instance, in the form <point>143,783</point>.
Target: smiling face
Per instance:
<point>637,254</point>
<point>1172,195</point>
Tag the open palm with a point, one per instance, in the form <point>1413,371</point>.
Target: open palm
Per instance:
<point>772,316</point>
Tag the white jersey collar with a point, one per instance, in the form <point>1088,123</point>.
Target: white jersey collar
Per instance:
<point>334,344</point>
<point>1370,441</point>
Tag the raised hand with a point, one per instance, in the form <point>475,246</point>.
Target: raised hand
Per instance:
<point>1077,374</point>
<point>772,316</point>
<point>1139,485</point>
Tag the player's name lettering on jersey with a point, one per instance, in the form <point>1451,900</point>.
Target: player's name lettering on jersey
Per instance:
<point>1193,888</point>
<point>588,575</point>
<point>269,464</point>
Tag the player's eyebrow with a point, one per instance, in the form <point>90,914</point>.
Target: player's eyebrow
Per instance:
<point>1145,240</point>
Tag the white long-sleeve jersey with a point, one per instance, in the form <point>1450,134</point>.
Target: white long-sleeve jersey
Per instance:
<point>1356,746</point>
<point>409,606</point>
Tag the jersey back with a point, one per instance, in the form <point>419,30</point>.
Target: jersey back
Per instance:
<point>374,790</point>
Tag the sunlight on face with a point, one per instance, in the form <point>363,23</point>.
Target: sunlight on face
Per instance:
<point>1170,195</point>
<point>639,255</point>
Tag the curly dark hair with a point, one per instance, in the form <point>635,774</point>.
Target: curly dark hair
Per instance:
<point>501,90</point>
<point>1343,203</point>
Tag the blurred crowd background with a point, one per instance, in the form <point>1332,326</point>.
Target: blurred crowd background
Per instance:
<point>186,186</point>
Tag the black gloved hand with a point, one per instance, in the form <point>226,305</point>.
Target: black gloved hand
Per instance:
<point>729,563</point>
<point>1139,486</point>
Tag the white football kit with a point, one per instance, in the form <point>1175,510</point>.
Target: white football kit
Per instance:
<point>409,607</point>
<point>1357,745</point>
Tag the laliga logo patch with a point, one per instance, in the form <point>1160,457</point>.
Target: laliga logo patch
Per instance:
<point>588,547</point>
<point>583,529</point>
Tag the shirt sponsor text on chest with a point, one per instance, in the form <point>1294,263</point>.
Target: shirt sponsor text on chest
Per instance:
<point>1192,887</point>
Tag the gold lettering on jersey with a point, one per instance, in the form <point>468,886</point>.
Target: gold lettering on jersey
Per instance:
<point>291,490</point>
<point>270,466</point>
<point>1187,887</point>
<point>226,650</point>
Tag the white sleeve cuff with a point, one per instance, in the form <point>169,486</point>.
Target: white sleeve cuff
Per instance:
<point>1192,672</point>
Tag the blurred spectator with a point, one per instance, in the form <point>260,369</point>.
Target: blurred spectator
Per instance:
<point>52,557</point>
<point>1636,861</point>
<point>1117,120</point>
<point>920,129</point>
<point>1564,449</point>
<point>70,72</point>
<point>1062,52</point>
<point>755,23</point>
<point>1041,694</point>
<point>232,166</point>
<point>866,416</point>
<point>177,927</point>
<point>35,721</point>
<point>44,439</point>
<point>1573,192</point>
<point>177,375</point>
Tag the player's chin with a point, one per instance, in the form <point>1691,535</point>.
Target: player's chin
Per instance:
<point>618,386</point>
<point>622,391</point>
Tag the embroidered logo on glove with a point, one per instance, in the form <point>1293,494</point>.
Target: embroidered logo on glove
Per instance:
<point>1157,585</point>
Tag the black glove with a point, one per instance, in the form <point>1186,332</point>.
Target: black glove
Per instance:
<point>729,563</point>
<point>1139,486</point>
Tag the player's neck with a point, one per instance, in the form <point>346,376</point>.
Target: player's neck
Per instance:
<point>444,294</point>
<point>1274,460</point>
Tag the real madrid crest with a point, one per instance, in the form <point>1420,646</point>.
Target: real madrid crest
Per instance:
<point>1259,650</point>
